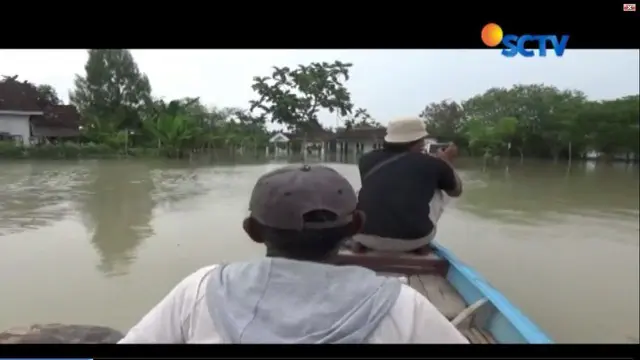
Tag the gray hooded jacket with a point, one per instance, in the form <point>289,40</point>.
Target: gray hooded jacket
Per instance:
<point>275,300</point>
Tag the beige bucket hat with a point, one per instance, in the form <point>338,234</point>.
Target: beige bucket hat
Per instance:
<point>404,130</point>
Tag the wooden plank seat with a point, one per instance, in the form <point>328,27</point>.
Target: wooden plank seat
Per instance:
<point>450,303</point>
<point>402,263</point>
<point>441,294</point>
<point>426,273</point>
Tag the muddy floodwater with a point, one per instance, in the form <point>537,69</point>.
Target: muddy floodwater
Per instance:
<point>100,242</point>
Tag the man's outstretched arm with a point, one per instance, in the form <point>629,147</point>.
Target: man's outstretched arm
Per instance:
<point>448,179</point>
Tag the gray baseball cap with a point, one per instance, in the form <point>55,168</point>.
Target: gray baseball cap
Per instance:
<point>282,197</point>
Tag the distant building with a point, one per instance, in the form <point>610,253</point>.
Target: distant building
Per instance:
<point>359,140</point>
<point>362,139</point>
<point>314,140</point>
<point>278,145</point>
<point>593,155</point>
<point>58,122</point>
<point>24,120</point>
<point>279,138</point>
<point>352,141</point>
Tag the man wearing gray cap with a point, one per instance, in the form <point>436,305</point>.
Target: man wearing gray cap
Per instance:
<point>302,215</point>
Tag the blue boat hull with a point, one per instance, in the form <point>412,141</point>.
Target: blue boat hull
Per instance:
<point>507,325</point>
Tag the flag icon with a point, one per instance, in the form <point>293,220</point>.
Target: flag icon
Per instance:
<point>628,7</point>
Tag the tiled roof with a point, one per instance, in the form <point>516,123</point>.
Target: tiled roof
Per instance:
<point>23,96</point>
<point>18,96</point>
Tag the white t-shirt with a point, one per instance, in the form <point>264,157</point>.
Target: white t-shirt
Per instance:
<point>182,317</point>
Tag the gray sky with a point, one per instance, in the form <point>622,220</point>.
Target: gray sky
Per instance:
<point>389,83</point>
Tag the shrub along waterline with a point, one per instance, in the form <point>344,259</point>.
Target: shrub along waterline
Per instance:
<point>68,150</point>
<point>73,150</point>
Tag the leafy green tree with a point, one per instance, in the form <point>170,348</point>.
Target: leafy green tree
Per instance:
<point>173,131</point>
<point>48,95</point>
<point>534,120</point>
<point>494,138</point>
<point>293,97</point>
<point>445,120</point>
<point>360,119</point>
<point>112,84</point>
<point>550,122</point>
<point>612,126</point>
<point>495,104</point>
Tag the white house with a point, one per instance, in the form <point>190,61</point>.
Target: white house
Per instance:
<point>280,144</point>
<point>16,124</point>
<point>279,138</point>
<point>358,140</point>
<point>25,118</point>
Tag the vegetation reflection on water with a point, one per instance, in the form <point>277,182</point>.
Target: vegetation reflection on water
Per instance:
<point>537,230</point>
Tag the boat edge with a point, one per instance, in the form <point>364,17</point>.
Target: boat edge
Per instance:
<point>531,332</point>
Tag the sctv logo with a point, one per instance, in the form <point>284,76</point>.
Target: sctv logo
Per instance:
<point>492,36</point>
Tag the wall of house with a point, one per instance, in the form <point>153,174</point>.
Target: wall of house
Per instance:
<point>369,145</point>
<point>278,147</point>
<point>16,125</point>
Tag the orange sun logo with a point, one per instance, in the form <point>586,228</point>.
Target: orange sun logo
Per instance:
<point>492,35</point>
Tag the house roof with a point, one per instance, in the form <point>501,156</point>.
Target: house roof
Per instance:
<point>18,96</point>
<point>51,131</point>
<point>311,131</point>
<point>24,96</point>
<point>279,137</point>
<point>57,121</point>
<point>362,133</point>
<point>366,133</point>
<point>64,115</point>
<point>311,135</point>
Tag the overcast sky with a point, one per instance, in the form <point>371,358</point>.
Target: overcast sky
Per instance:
<point>389,83</point>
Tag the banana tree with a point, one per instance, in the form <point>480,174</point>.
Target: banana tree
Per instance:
<point>104,130</point>
<point>173,132</point>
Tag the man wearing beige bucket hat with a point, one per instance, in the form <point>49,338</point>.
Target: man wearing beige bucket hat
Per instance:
<point>403,190</point>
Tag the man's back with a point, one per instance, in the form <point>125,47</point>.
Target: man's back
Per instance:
<point>294,296</point>
<point>188,315</point>
<point>396,197</point>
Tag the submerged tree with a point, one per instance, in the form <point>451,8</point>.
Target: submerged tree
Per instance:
<point>492,140</point>
<point>445,120</point>
<point>293,97</point>
<point>550,122</point>
<point>360,119</point>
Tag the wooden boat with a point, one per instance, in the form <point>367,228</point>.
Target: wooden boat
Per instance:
<point>478,310</point>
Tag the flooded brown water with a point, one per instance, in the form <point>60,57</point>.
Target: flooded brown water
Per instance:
<point>100,242</point>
